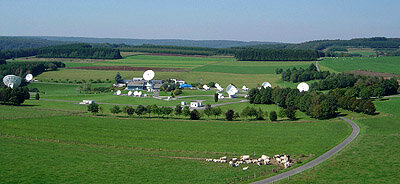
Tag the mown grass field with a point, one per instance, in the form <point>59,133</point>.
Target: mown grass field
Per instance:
<point>379,64</point>
<point>68,148</point>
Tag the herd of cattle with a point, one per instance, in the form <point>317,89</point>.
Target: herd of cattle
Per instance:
<point>280,160</point>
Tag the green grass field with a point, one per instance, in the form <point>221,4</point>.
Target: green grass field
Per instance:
<point>380,64</point>
<point>371,158</point>
<point>54,139</point>
<point>56,147</point>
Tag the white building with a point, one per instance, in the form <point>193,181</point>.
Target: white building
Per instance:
<point>196,104</point>
<point>86,102</point>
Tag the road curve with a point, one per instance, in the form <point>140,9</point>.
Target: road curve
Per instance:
<point>320,159</point>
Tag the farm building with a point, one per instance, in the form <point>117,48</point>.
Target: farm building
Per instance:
<point>144,85</point>
<point>136,85</point>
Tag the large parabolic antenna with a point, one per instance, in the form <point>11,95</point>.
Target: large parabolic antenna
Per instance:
<point>219,88</point>
<point>12,81</point>
<point>206,87</point>
<point>266,85</point>
<point>303,87</point>
<point>148,75</point>
<point>28,77</point>
<point>231,90</point>
<point>118,92</point>
<point>130,93</point>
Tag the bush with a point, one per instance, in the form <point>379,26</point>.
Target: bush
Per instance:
<point>273,116</point>
<point>194,115</point>
<point>115,109</point>
<point>93,108</point>
<point>37,96</point>
<point>229,115</point>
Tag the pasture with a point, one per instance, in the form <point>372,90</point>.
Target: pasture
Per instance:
<point>379,64</point>
<point>82,148</point>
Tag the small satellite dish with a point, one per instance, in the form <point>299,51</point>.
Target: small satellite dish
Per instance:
<point>303,87</point>
<point>136,93</point>
<point>220,96</point>
<point>244,88</point>
<point>12,81</point>
<point>148,75</point>
<point>231,90</point>
<point>130,93</point>
<point>206,87</point>
<point>28,77</point>
<point>266,85</point>
<point>139,93</point>
<point>118,92</point>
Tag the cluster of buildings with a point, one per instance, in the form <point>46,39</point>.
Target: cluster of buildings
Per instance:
<point>139,84</point>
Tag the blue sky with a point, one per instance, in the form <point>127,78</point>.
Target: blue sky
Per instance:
<point>249,20</point>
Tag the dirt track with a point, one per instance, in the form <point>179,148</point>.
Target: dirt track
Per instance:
<point>372,74</point>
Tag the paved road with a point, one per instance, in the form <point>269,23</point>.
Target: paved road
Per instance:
<point>320,159</point>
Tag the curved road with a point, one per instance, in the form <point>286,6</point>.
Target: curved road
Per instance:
<point>320,159</point>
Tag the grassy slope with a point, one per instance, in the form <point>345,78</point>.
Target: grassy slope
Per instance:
<point>86,149</point>
<point>380,64</point>
<point>372,158</point>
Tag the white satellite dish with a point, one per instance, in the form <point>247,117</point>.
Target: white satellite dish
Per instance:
<point>135,93</point>
<point>206,87</point>
<point>148,75</point>
<point>28,77</point>
<point>231,90</point>
<point>118,92</point>
<point>220,96</point>
<point>219,88</point>
<point>303,87</point>
<point>130,93</point>
<point>244,88</point>
<point>12,81</point>
<point>139,93</point>
<point>266,85</point>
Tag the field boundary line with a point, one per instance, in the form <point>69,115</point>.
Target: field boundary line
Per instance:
<point>320,159</point>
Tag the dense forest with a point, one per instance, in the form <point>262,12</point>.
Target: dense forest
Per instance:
<point>165,49</point>
<point>250,54</point>
<point>23,68</point>
<point>358,86</point>
<point>82,50</point>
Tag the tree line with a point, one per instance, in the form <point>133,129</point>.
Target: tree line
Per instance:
<point>250,54</point>
<point>358,86</point>
<point>315,104</point>
<point>301,75</point>
<point>374,42</point>
<point>23,68</point>
<point>85,51</point>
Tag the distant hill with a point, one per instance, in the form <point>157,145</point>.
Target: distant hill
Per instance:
<point>173,42</point>
<point>22,42</point>
<point>375,42</point>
